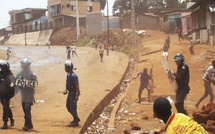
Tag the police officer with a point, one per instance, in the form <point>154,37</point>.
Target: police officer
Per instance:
<point>7,82</point>
<point>72,86</point>
<point>24,80</point>
<point>182,79</point>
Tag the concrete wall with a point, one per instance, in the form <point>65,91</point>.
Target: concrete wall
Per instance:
<point>142,22</point>
<point>1,38</point>
<point>113,23</point>
<point>147,22</point>
<point>94,23</point>
<point>32,38</point>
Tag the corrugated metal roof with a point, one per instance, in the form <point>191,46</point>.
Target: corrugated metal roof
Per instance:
<point>198,3</point>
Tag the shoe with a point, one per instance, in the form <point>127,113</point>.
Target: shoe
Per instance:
<point>25,128</point>
<point>4,126</point>
<point>77,120</point>
<point>30,126</point>
<point>12,122</point>
<point>74,124</point>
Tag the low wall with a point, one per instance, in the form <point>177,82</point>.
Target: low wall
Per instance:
<point>105,101</point>
<point>1,38</point>
<point>32,38</point>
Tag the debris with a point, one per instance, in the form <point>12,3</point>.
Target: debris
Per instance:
<point>206,116</point>
<point>135,126</point>
<point>127,131</point>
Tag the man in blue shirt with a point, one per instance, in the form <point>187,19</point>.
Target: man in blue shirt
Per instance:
<point>72,86</point>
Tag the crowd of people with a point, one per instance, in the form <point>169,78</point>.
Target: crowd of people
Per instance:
<point>175,122</point>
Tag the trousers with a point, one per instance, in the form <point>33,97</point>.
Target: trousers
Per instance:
<point>71,104</point>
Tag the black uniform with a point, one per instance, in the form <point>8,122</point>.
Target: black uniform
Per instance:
<point>182,79</point>
<point>6,93</point>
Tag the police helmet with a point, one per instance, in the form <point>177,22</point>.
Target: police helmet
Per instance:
<point>68,64</point>
<point>179,57</point>
<point>25,61</point>
<point>4,65</point>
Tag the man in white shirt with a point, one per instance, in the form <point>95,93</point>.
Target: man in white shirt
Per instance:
<point>73,48</point>
<point>208,78</point>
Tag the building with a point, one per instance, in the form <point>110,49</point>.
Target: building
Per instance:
<point>203,21</point>
<point>145,21</point>
<point>22,20</point>
<point>170,19</point>
<point>63,12</point>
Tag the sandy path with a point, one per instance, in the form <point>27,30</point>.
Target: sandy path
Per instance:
<point>95,78</point>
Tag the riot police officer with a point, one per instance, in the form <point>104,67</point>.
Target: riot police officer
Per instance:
<point>182,79</point>
<point>72,86</point>
<point>24,80</point>
<point>7,83</point>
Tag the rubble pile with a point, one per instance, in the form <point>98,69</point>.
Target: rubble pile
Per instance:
<point>206,117</point>
<point>66,36</point>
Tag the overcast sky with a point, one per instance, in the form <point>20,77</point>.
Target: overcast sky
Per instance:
<point>8,5</point>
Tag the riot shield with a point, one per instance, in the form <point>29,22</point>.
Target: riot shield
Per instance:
<point>25,84</point>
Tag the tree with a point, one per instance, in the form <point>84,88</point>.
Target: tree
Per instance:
<point>123,6</point>
<point>183,4</point>
<point>155,4</point>
<point>102,4</point>
<point>171,3</point>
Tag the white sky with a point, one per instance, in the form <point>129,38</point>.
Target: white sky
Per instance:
<point>8,5</point>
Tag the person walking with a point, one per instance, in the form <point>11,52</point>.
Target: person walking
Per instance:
<point>208,78</point>
<point>72,88</point>
<point>101,53</point>
<point>68,51</point>
<point>7,83</point>
<point>167,42</point>
<point>144,83</point>
<point>176,123</point>
<point>8,51</point>
<point>26,81</point>
<point>179,34</point>
<point>191,47</point>
<point>49,44</point>
<point>73,48</point>
<point>165,51</point>
<point>182,78</point>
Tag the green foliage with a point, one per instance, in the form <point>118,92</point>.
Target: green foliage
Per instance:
<point>121,7</point>
<point>102,4</point>
<point>183,4</point>
<point>84,42</point>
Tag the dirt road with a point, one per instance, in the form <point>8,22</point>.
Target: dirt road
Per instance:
<point>142,114</point>
<point>96,80</point>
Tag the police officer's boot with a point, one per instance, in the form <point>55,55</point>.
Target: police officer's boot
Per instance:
<point>11,121</point>
<point>4,126</point>
<point>25,128</point>
<point>30,125</point>
<point>74,123</point>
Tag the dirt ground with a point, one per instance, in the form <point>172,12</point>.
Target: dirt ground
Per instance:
<point>51,116</point>
<point>198,63</point>
<point>97,78</point>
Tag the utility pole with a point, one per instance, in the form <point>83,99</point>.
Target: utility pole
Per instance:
<point>107,23</point>
<point>133,22</point>
<point>25,27</point>
<point>77,21</point>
